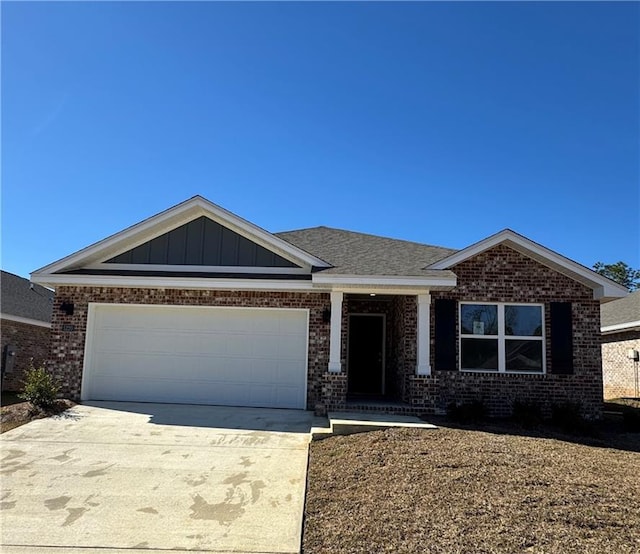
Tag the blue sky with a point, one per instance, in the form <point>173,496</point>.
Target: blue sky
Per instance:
<point>434,122</point>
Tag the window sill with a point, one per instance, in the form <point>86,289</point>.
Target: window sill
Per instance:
<point>489,372</point>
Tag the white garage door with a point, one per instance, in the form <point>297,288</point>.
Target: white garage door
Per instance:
<point>196,355</point>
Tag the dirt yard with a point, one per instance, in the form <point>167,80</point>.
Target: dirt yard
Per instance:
<point>15,412</point>
<point>455,491</point>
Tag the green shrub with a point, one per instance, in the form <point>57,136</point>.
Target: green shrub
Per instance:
<point>467,412</point>
<point>40,389</point>
<point>527,413</point>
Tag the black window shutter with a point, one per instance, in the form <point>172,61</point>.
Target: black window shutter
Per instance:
<point>445,335</point>
<point>561,338</point>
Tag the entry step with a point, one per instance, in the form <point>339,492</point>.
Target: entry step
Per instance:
<point>347,423</point>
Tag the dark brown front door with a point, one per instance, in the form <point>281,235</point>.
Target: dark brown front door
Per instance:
<point>365,362</point>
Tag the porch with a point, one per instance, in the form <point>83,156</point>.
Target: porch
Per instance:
<point>380,354</point>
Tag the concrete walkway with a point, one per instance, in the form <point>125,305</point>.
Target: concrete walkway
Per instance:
<point>113,477</point>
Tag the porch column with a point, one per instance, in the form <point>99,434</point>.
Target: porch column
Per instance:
<point>335,338</point>
<point>423,335</point>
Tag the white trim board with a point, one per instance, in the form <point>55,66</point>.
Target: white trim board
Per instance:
<point>130,281</point>
<point>364,284</point>
<point>200,268</point>
<point>373,281</point>
<point>620,327</point>
<point>26,320</point>
<point>603,289</point>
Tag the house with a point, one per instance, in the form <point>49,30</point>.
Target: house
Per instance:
<point>25,327</point>
<point>620,326</point>
<point>197,305</point>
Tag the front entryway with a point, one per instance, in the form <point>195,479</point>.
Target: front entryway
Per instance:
<point>366,354</point>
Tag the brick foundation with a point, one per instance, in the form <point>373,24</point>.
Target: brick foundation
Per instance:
<point>30,342</point>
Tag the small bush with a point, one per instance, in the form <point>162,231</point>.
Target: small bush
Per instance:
<point>526,413</point>
<point>40,389</point>
<point>467,412</point>
<point>568,417</point>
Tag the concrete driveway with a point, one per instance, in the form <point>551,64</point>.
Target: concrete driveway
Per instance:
<point>119,475</point>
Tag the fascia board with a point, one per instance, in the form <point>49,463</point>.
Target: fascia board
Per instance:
<point>25,320</point>
<point>620,327</point>
<point>57,280</point>
<point>383,280</point>
<point>198,268</point>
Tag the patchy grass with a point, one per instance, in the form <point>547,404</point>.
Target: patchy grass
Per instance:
<point>16,412</point>
<point>497,490</point>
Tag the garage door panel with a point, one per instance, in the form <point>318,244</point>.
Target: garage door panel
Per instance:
<point>210,355</point>
<point>286,371</point>
<point>288,325</point>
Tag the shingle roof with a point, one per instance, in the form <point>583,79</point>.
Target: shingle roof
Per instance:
<point>354,253</point>
<point>623,310</point>
<point>18,298</point>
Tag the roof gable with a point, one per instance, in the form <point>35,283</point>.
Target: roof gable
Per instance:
<point>603,289</point>
<point>241,237</point>
<point>202,242</point>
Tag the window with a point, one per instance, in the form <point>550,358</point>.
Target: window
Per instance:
<point>502,337</point>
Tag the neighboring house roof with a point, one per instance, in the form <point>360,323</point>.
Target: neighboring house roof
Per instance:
<point>352,253</point>
<point>20,299</point>
<point>622,314</point>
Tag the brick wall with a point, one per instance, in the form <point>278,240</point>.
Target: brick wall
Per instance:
<point>498,275</point>
<point>29,341</point>
<point>502,274</point>
<point>334,392</point>
<point>620,374</point>
<point>405,321</point>
<point>67,348</point>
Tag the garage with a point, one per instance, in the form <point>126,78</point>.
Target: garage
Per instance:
<point>232,356</point>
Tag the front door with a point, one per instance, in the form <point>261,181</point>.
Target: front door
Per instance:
<point>365,360</point>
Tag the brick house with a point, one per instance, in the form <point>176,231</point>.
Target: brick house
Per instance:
<point>196,305</point>
<point>25,327</point>
<point>620,326</point>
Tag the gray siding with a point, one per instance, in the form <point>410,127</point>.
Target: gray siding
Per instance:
<point>202,242</point>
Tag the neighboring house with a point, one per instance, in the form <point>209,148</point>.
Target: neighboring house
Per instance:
<point>196,305</point>
<point>25,327</point>
<point>620,328</point>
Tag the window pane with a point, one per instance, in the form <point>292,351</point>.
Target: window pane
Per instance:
<point>479,354</point>
<point>523,321</point>
<point>478,319</point>
<point>524,355</point>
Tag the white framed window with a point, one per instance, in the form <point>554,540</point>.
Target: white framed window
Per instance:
<point>502,337</point>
